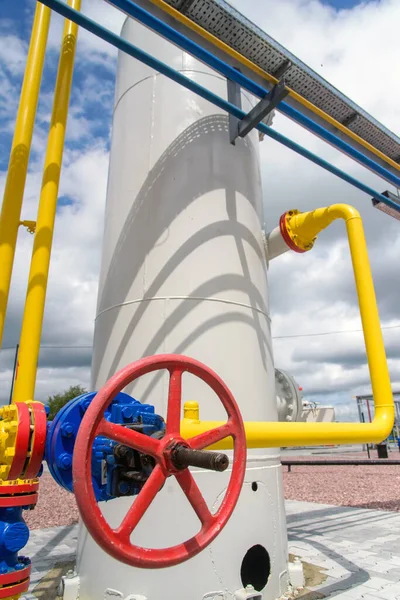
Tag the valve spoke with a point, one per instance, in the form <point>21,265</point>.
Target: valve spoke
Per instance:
<point>128,437</point>
<point>174,402</point>
<point>194,495</point>
<point>208,438</point>
<point>173,456</point>
<point>142,502</point>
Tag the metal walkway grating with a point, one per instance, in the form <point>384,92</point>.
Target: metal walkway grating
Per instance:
<point>220,19</point>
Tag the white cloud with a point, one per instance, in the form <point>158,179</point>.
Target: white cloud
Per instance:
<point>90,48</point>
<point>345,48</point>
<point>12,64</point>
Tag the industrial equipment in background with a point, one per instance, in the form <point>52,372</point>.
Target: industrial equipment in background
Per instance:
<point>293,407</point>
<point>366,412</point>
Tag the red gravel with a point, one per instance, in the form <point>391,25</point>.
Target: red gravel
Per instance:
<point>55,506</point>
<point>362,486</point>
<point>367,486</point>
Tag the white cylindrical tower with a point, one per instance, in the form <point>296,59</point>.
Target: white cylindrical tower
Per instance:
<point>183,271</point>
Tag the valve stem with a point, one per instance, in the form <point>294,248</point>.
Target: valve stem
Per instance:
<point>183,457</point>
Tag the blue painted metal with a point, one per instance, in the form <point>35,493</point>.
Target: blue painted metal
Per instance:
<point>62,432</point>
<point>14,535</point>
<point>138,13</point>
<point>164,69</point>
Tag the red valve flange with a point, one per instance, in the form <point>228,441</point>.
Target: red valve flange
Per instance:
<point>21,442</point>
<point>116,542</point>
<point>15,577</point>
<point>38,440</point>
<point>18,493</point>
<point>14,590</point>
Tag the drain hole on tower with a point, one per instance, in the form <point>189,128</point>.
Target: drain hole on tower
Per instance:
<point>256,568</point>
<point>254,486</point>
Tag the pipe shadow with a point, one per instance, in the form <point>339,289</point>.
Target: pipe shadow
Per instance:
<point>357,576</point>
<point>310,529</point>
<point>45,551</point>
<point>307,529</point>
<point>231,317</point>
<point>340,511</point>
<point>340,522</point>
<point>186,171</point>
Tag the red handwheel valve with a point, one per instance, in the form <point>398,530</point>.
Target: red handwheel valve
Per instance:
<point>173,455</point>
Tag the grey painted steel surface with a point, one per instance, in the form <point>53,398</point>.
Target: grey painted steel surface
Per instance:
<point>183,270</point>
<point>274,244</point>
<point>288,397</point>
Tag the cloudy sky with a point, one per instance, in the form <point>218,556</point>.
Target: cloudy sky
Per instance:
<point>348,43</point>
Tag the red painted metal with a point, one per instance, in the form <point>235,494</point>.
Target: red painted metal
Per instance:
<point>21,442</point>
<point>10,488</point>
<point>116,542</point>
<point>287,239</point>
<point>15,576</point>
<point>22,500</point>
<point>38,441</point>
<point>14,590</point>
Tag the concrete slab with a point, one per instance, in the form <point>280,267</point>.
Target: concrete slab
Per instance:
<point>351,543</point>
<point>359,549</point>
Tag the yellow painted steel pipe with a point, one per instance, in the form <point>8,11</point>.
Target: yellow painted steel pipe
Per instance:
<point>20,151</point>
<point>36,295</point>
<point>170,10</point>
<point>266,435</point>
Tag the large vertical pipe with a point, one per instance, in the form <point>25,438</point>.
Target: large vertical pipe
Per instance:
<point>183,270</point>
<point>20,150</point>
<point>40,263</point>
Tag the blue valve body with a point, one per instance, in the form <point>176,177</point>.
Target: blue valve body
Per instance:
<point>14,535</point>
<point>106,470</point>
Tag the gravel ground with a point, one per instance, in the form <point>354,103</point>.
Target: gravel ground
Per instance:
<point>55,506</point>
<point>367,486</point>
<point>375,487</point>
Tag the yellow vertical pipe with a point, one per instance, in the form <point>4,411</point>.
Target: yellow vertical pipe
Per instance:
<point>305,226</point>
<point>374,343</point>
<point>36,294</point>
<point>19,156</point>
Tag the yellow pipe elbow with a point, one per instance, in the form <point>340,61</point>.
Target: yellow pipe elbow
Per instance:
<point>304,228</point>
<point>300,230</point>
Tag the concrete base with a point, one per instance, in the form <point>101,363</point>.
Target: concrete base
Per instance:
<point>348,553</point>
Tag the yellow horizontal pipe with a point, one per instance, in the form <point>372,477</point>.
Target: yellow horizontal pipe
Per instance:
<point>250,65</point>
<point>274,434</point>
<point>39,271</point>
<point>20,151</point>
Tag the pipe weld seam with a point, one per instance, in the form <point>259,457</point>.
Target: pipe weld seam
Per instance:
<point>195,298</point>
<point>156,74</point>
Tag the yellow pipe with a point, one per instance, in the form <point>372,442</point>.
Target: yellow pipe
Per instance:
<point>40,262</point>
<point>19,156</point>
<point>267,435</point>
<point>250,65</point>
